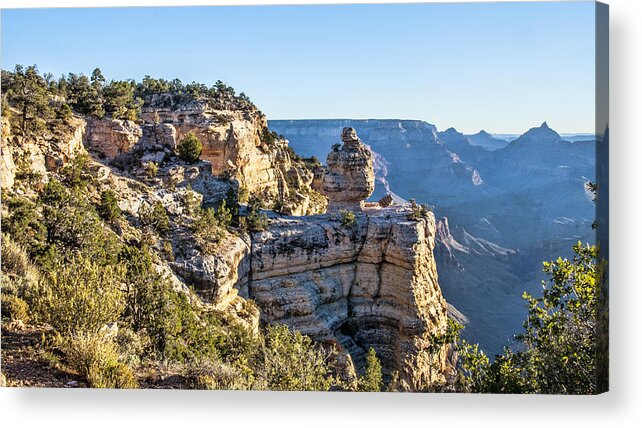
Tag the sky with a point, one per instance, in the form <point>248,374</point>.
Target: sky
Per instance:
<point>502,67</point>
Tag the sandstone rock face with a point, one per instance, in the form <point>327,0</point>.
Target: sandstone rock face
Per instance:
<point>7,166</point>
<point>42,153</point>
<point>217,278</point>
<point>111,137</point>
<point>349,177</point>
<point>370,285</point>
<point>234,143</point>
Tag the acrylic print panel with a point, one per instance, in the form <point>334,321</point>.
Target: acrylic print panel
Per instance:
<point>384,197</point>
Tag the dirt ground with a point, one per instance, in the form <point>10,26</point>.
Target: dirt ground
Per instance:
<point>24,362</point>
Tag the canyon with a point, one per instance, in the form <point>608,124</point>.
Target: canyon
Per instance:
<point>502,206</point>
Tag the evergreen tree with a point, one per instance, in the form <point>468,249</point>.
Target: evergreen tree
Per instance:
<point>190,148</point>
<point>28,92</point>
<point>372,380</point>
<point>120,102</point>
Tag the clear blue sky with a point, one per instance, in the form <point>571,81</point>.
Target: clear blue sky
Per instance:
<point>503,67</point>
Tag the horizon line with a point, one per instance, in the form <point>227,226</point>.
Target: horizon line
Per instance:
<point>568,133</point>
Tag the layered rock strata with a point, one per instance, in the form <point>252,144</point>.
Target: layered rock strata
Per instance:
<point>372,284</point>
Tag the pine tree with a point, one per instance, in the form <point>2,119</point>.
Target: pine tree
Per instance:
<point>372,380</point>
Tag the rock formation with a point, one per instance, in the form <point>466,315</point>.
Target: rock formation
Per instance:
<point>373,284</point>
<point>368,284</point>
<point>349,177</point>
<point>236,143</point>
<point>41,153</point>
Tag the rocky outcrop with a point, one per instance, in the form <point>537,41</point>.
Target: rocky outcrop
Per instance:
<point>349,177</point>
<point>35,155</point>
<point>7,167</point>
<point>372,284</point>
<point>236,143</point>
<point>111,137</point>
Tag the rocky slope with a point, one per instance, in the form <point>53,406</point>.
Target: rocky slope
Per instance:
<point>371,282</point>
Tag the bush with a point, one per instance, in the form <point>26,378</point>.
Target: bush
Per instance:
<point>15,262</point>
<point>176,330</point>
<point>190,148</point>
<point>131,346</point>
<point>190,201</point>
<point>155,216</point>
<point>418,211</point>
<point>23,223</point>
<point>215,375</point>
<point>78,296</point>
<point>372,380</point>
<point>255,221</point>
<point>73,173</point>
<point>151,169</point>
<point>208,230</point>
<point>108,207</point>
<point>72,224</point>
<point>556,353</point>
<point>292,362</point>
<point>63,112</point>
<point>348,219</point>
<point>96,358</point>
<point>168,250</point>
<point>14,308</point>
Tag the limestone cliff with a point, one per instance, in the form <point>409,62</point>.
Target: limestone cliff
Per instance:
<point>372,284</point>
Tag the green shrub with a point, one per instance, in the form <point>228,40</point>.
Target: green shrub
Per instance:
<point>23,222</point>
<point>151,169</point>
<point>207,230</point>
<point>418,211</point>
<point>243,195</point>
<point>14,308</point>
<point>348,218</point>
<point>190,201</point>
<point>74,173</point>
<point>372,380</point>
<point>226,174</point>
<point>96,358</point>
<point>72,224</point>
<point>64,113</point>
<point>16,262</point>
<point>168,250</point>
<point>268,137</point>
<point>78,296</point>
<point>215,375</point>
<point>154,216</point>
<point>255,220</point>
<point>190,148</point>
<point>292,362</point>
<point>176,330</point>
<point>131,346</point>
<point>108,208</point>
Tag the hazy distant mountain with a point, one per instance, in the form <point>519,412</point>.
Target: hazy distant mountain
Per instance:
<point>487,141</point>
<point>507,209</point>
